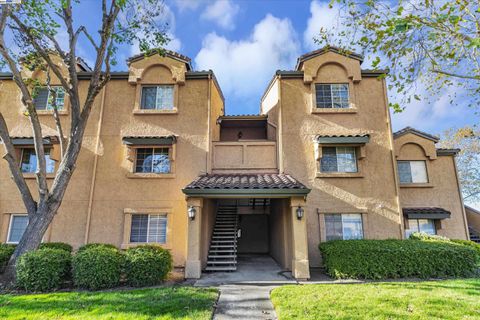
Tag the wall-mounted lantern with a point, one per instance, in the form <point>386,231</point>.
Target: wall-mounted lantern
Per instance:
<point>191,212</point>
<point>300,212</point>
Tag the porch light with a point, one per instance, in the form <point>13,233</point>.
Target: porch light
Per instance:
<point>300,212</point>
<point>191,212</point>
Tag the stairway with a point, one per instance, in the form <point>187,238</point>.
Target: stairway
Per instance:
<point>474,236</point>
<point>222,255</point>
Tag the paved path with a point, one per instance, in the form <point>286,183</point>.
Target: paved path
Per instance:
<point>244,302</point>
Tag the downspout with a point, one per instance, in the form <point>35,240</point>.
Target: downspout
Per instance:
<point>394,162</point>
<point>464,215</point>
<point>208,165</point>
<point>95,163</point>
<point>280,127</point>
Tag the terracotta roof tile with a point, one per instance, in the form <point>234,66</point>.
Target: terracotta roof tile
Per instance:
<point>416,132</point>
<point>245,181</point>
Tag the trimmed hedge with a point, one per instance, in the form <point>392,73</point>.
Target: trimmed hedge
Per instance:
<point>56,245</point>
<point>147,265</point>
<point>97,267</point>
<point>95,245</point>
<point>425,236</point>
<point>382,259</point>
<point>6,251</point>
<point>471,244</point>
<point>43,270</point>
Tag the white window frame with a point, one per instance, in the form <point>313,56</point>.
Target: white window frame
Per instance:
<point>10,226</point>
<point>427,179</point>
<point>332,106</point>
<point>148,227</point>
<point>172,107</point>
<point>337,161</point>
<point>342,215</point>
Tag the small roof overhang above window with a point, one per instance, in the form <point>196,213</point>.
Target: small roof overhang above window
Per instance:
<point>150,140</point>
<point>426,213</point>
<point>343,139</point>
<point>28,141</point>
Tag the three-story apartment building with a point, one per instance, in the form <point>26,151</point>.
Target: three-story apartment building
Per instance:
<point>162,163</point>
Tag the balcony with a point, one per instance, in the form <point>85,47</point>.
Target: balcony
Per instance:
<point>245,156</point>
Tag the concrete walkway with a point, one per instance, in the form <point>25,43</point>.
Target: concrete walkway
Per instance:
<point>245,293</point>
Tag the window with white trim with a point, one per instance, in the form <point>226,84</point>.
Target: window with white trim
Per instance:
<point>343,226</point>
<point>338,159</point>
<point>43,98</point>
<point>29,161</point>
<point>153,160</point>
<point>334,95</point>
<point>157,97</point>
<point>18,224</point>
<point>420,225</point>
<point>412,171</point>
<point>148,228</point>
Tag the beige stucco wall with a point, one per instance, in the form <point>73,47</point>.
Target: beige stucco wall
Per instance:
<point>373,191</point>
<point>117,192</point>
<point>442,189</point>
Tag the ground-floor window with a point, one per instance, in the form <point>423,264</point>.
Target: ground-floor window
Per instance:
<point>151,228</point>
<point>420,225</point>
<point>18,224</point>
<point>343,226</point>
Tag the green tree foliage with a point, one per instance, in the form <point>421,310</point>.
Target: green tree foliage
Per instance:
<point>467,139</point>
<point>434,44</point>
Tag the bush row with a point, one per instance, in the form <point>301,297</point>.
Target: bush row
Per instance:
<point>93,267</point>
<point>381,259</point>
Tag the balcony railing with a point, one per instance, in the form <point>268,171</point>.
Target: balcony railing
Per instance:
<point>252,155</point>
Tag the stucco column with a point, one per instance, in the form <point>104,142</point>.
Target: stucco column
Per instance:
<point>300,265</point>
<point>193,265</point>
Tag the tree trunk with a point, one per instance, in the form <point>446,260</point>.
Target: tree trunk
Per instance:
<point>31,239</point>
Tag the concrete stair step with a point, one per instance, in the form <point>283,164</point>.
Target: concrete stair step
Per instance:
<point>211,263</point>
<point>226,256</point>
<point>220,268</point>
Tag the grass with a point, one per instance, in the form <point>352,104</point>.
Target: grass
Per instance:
<point>452,299</point>
<point>155,303</point>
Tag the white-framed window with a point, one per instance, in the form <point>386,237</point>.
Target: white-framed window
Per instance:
<point>43,99</point>
<point>29,161</point>
<point>148,228</point>
<point>338,159</point>
<point>332,95</point>
<point>343,226</point>
<point>412,171</point>
<point>153,160</point>
<point>157,97</point>
<point>16,228</point>
<point>420,225</point>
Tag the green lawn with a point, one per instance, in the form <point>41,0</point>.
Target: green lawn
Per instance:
<point>452,299</point>
<point>159,303</point>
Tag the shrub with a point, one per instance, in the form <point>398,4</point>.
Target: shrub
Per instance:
<point>147,265</point>
<point>56,245</point>
<point>425,236</point>
<point>471,244</point>
<point>6,251</point>
<point>381,259</point>
<point>97,267</point>
<point>43,270</point>
<point>95,245</point>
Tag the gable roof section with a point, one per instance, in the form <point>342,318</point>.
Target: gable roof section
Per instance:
<point>414,131</point>
<point>315,53</point>
<point>167,53</point>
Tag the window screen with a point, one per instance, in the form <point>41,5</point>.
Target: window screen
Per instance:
<point>343,226</point>
<point>152,160</point>
<point>18,224</point>
<point>338,159</point>
<point>148,228</point>
<point>158,97</point>
<point>332,95</point>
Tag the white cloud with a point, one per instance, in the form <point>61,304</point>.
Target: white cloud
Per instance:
<point>187,4</point>
<point>168,19</point>
<point>321,17</point>
<point>222,12</point>
<point>244,67</point>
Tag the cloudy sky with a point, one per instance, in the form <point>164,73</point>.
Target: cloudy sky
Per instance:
<point>244,42</point>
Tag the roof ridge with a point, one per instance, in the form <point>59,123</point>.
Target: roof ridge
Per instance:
<point>417,132</point>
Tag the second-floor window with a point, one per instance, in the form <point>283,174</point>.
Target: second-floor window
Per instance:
<point>338,159</point>
<point>334,95</point>
<point>44,99</point>
<point>153,160</point>
<point>412,172</point>
<point>157,97</point>
<point>29,161</point>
